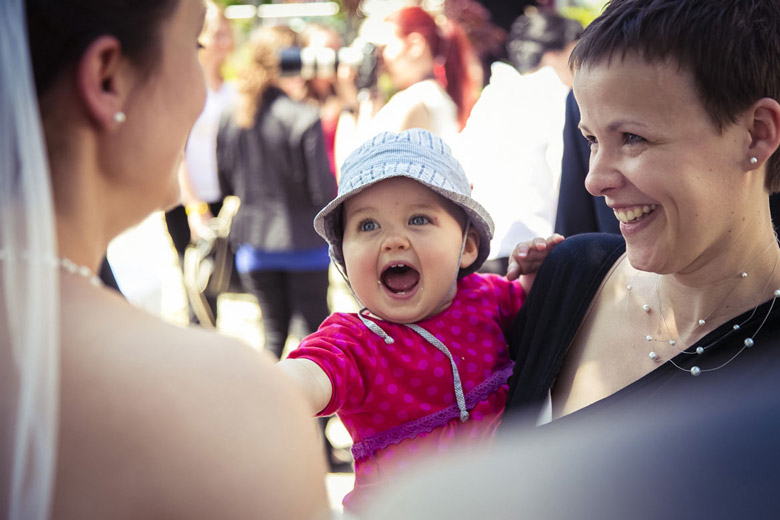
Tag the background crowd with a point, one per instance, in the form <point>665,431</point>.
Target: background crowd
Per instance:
<point>483,83</point>
<point>492,80</point>
<point>290,97</point>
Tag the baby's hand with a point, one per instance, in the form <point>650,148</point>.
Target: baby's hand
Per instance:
<point>527,256</point>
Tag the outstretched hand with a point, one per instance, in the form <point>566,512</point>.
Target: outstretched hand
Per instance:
<point>528,256</point>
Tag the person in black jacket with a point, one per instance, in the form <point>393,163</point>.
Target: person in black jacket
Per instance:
<point>579,211</point>
<point>271,154</point>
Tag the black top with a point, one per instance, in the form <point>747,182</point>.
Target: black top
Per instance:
<point>279,169</point>
<point>556,307</point>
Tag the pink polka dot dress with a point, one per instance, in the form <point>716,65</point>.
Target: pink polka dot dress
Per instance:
<point>397,399</point>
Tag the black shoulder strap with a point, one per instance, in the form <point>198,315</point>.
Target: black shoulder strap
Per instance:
<point>549,319</point>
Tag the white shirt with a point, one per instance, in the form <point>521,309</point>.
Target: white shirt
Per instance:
<point>201,151</point>
<point>511,150</point>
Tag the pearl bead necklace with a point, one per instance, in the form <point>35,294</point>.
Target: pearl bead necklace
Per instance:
<point>66,265</point>
<point>747,343</point>
<point>72,267</point>
<point>699,323</point>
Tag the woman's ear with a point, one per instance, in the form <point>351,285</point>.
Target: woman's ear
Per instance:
<point>100,81</point>
<point>416,45</point>
<point>764,127</point>
<point>471,249</point>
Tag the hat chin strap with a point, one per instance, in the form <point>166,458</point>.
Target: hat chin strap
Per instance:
<point>460,397</point>
<point>344,276</point>
<point>454,286</point>
<point>463,245</point>
<point>376,329</point>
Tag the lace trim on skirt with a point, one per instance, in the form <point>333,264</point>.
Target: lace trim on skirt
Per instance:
<point>412,429</point>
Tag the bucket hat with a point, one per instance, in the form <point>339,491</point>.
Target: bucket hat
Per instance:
<point>417,154</point>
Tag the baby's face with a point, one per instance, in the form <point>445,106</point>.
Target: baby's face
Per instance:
<point>402,242</point>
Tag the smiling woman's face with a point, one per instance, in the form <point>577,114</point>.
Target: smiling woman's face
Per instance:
<point>675,182</point>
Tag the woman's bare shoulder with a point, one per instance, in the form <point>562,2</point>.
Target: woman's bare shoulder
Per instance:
<point>403,112</point>
<point>162,420</point>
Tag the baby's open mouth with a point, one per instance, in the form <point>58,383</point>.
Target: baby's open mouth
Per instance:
<point>631,214</point>
<point>400,278</point>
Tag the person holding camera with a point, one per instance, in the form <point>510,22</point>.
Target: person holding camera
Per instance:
<point>427,65</point>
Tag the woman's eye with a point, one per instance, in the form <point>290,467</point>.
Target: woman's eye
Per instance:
<point>632,138</point>
<point>591,141</point>
<point>368,225</point>
<point>418,220</point>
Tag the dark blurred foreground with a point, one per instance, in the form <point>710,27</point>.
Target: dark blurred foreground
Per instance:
<point>711,452</point>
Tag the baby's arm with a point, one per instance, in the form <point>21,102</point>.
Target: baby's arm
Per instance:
<point>311,379</point>
<point>527,257</point>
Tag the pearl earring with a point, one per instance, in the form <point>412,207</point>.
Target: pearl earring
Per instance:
<point>120,117</point>
<point>753,160</point>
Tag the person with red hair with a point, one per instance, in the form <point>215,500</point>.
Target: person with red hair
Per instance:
<point>427,64</point>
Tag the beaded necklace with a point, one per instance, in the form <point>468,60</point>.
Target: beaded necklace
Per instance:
<point>66,265</point>
<point>748,341</point>
<point>71,267</point>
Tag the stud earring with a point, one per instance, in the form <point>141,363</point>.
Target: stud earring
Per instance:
<point>120,117</point>
<point>753,160</point>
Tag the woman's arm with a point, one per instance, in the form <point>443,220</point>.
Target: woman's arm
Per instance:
<point>414,116</point>
<point>398,114</point>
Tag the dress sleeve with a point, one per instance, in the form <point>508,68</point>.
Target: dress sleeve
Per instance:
<point>346,352</point>
<point>509,297</point>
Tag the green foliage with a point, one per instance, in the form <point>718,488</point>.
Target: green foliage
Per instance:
<point>582,14</point>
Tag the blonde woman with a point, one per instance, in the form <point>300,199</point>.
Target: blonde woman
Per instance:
<point>271,154</point>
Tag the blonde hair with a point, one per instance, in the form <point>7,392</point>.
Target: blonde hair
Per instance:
<point>214,12</point>
<point>260,70</point>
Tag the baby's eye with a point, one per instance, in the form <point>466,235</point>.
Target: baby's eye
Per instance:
<point>368,225</point>
<point>419,220</point>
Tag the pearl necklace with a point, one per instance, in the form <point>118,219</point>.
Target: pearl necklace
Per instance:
<point>66,265</point>
<point>747,343</point>
<point>72,267</point>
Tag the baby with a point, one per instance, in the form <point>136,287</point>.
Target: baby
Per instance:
<point>424,364</point>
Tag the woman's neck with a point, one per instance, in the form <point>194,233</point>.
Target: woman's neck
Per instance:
<point>212,72</point>
<point>690,305</point>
